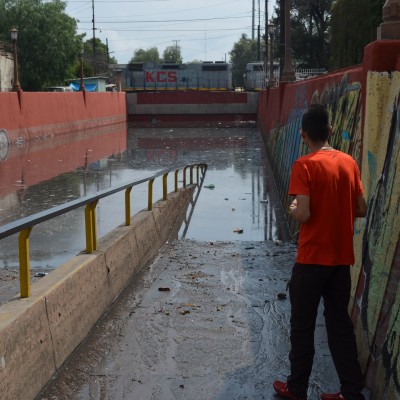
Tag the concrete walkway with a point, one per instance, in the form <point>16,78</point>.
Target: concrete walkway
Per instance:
<point>205,321</point>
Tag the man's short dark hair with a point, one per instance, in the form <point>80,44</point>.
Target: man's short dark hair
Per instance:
<point>315,122</point>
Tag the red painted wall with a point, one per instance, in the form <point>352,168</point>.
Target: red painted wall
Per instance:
<point>33,115</point>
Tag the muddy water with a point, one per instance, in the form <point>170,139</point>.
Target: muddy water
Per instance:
<point>236,201</point>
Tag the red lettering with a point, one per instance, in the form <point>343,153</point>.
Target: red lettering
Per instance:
<point>149,76</point>
<point>172,76</point>
<point>161,76</point>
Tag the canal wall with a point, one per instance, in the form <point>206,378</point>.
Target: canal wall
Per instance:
<point>39,333</point>
<point>191,108</point>
<point>26,116</point>
<point>364,106</point>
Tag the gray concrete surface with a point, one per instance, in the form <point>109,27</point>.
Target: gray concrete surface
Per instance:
<point>204,321</point>
<point>38,334</point>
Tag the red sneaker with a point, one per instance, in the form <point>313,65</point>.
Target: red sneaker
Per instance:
<point>283,391</point>
<point>333,396</point>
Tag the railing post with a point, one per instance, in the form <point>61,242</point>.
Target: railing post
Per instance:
<point>90,225</point>
<point>24,265</point>
<point>184,176</point>
<point>197,173</point>
<point>128,206</point>
<point>165,186</point>
<point>150,197</point>
<point>176,180</point>
<point>191,174</point>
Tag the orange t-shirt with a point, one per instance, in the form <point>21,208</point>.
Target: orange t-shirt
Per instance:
<point>332,180</point>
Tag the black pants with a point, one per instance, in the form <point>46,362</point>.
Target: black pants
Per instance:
<point>307,285</point>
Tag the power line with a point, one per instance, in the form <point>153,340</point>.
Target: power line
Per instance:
<point>166,20</point>
<point>169,30</point>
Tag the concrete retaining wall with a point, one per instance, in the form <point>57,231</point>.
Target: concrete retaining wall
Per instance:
<point>191,106</point>
<point>39,333</point>
<point>27,115</point>
<point>364,107</point>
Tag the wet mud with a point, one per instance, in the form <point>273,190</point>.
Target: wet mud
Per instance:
<point>204,321</point>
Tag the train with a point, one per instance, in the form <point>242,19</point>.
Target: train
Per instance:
<point>256,79</point>
<point>207,75</point>
<point>148,76</point>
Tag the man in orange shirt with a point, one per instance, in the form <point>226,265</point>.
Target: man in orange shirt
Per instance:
<point>328,197</point>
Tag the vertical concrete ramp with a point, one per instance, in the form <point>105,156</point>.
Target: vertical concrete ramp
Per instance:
<point>39,333</point>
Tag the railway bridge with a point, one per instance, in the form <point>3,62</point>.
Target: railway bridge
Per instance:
<point>40,332</point>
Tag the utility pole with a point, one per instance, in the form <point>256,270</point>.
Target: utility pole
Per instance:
<point>176,49</point>
<point>288,74</point>
<point>266,40</point>
<point>281,36</point>
<point>108,53</point>
<point>94,40</point>
<point>259,33</point>
<point>253,17</point>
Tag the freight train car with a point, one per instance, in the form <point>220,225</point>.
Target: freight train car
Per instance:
<point>148,76</point>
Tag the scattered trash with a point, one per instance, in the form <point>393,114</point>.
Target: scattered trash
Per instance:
<point>40,274</point>
<point>226,199</point>
<point>238,230</point>
<point>182,386</point>
<point>211,186</point>
<point>233,208</point>
<point>184,312</point>
<point>282,296</point>
<point>264,201</point>
<point>278,242</point>
<point>164,289</point>
<point>249,248</point>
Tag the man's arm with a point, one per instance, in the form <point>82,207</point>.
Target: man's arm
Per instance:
<point>361,207</point>
<point>300,208</point>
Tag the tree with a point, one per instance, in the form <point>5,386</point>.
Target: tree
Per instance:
<point>310,32</point>
<point>243,52</point>
<point>99,59</point>
<point>173,54</point>
<point>354,24</point>
<point>151,54</point>
<point>48,46</point>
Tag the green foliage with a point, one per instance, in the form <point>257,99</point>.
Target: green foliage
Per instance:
<point>173,54</point>
<point>98,57</point>
<point>354,25</point>
<point>48,46</point>
<point>310,32</point>
<point>142,55</point>
<point>243,52</point>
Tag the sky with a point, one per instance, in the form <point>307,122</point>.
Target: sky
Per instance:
<point>205,30</point>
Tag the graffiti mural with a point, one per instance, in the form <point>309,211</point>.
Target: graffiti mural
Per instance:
<point>365,116</point>
<point>284,142</point>
<point>376,297</point>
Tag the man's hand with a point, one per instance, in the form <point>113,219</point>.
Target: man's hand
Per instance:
<point>293,206</point>
<point>300,208</point>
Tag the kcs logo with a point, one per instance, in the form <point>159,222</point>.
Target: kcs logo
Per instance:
<point>161,76</point>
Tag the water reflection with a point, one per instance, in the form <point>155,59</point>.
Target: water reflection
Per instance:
<point>41,175</point>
